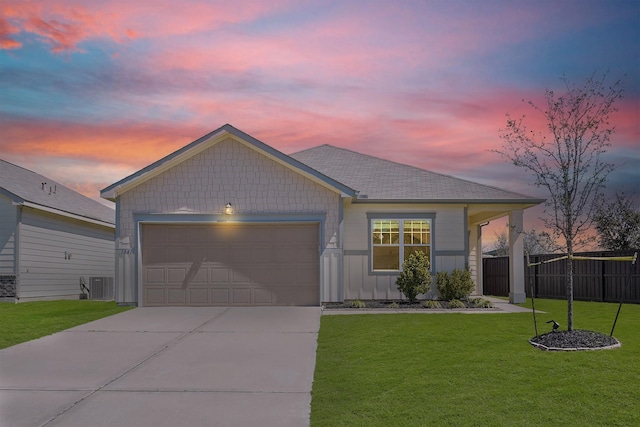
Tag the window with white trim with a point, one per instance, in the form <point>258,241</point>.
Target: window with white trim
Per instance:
<point>393,240</point>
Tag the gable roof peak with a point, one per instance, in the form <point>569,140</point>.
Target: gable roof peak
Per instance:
<point>209,140</point>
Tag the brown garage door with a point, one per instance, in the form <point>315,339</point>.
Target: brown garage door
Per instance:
<point>230,264</point>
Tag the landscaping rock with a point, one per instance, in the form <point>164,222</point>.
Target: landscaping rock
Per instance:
<point>574,340</point>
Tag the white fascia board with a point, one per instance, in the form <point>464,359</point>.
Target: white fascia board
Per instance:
<point>66,214</point>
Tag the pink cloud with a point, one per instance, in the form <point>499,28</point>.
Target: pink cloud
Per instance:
<point>6,35</point>
<point>62,26</point>
<point>104,142</point>
<point>65,25</point>
<point>61,36</point>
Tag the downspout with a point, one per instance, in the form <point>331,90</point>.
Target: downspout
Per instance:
<point>16,253</point>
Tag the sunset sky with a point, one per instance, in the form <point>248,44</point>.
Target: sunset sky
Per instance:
<point>92,91</point>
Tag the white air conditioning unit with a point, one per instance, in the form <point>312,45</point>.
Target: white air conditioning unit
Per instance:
<point>101,288</point>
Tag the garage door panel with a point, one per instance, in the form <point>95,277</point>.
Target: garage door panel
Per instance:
<point>296,254</point>
<point>198,296</point>
<point>176,296</point>
<point>241,296</point>
<point>219,275</point>
<point>216,253</point>
<point>296,235</point>
<point>155,296</point>
<point>261,254</point>
<point>196,235</point>
<point>239,264</point>
<point>215,234</point>
<point>220,296</point>
<point>156,234</point>
<point>155,276</point>
<point>197,253</point>
<point>200,277</point>
<point>263,296</point>
<point>240,276</point>
<point>176,275</point>
<point>154,255</point>
<point>176,234</point>
<point>242,234</point>
<point>239,253</point>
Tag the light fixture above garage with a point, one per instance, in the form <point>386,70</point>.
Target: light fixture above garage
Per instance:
<point>228,209</point>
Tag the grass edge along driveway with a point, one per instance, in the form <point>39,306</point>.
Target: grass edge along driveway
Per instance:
<point>466,370</point>
<point>30,320</point>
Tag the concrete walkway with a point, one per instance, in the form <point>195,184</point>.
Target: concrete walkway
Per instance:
<point>197,366</point>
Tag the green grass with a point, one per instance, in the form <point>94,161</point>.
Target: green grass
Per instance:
<point>475,370</point>
<point>30,320</point>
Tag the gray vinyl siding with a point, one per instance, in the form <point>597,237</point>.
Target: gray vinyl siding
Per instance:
<point>449,246</point>
<point>8,225</point>
<point>47,240</point>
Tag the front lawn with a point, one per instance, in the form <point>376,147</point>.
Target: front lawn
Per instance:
<point>30,320</point>
<point>475,369</point>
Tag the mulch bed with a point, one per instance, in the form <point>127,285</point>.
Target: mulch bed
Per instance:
<point>389,305</point>
<point>574,340</point>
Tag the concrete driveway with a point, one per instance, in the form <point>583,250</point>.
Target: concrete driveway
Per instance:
<point>197,366</point>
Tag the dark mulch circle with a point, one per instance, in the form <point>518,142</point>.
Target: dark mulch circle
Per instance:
<point>574,340</point>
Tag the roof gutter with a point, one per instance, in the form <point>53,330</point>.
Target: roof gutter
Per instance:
<point>65,214</point>
<point>530,202</point>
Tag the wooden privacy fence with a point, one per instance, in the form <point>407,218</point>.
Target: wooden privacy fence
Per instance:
<point>593,280</point>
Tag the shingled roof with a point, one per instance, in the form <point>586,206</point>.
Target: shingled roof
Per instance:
<point>28,188</point>
<point>382,180</point>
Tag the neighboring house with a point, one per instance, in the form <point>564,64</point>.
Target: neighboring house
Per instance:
<point>51,238</point>
<point>229,220</point>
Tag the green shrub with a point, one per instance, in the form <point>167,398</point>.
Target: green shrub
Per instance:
<point>431,303</point>
<point>456,303</point>
<point>481,303</point>
<point>394,305</point>
<point>356,303</point>
<point>415,277</point>
<point>455,285</point>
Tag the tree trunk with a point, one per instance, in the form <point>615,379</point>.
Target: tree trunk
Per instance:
<point>569,294</point>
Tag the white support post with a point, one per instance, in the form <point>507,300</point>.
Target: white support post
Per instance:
<point>516,257</point>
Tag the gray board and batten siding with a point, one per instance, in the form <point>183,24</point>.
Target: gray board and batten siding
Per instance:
<point>8,220</point>
<point>51,238</point>
<point>55,253</point>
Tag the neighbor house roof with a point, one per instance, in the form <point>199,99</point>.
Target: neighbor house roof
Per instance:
<point>28,188</point>
<point>210,139</point>
<point>382,180</point>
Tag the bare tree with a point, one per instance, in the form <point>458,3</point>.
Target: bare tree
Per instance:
<point>539,242</point>
<point>566,159</point>
<point>535,242</point>
<point>618,224</point>
<point>501,245</point>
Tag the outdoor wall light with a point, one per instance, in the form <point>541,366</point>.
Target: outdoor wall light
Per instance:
<point>228,209</point>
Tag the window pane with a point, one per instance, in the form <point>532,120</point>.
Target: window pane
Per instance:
<point>408,250</point>
<point>386,232</point>
<point>416,232</point>
<point>386,258</point>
